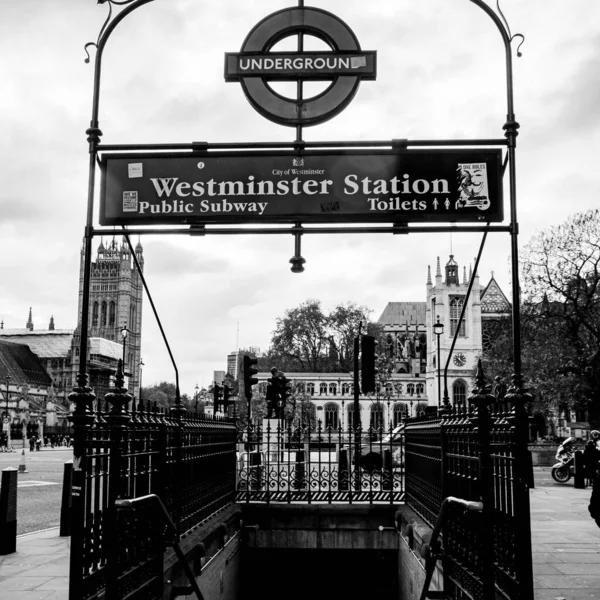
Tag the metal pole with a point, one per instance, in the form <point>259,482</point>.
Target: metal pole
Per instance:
<point>439,377</point>
<point>356,413</point>
<point>8,445</point>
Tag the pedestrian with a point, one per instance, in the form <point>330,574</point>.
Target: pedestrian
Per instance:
<point>591,457</point>
<point>594,506</point>
<point>31,442</point>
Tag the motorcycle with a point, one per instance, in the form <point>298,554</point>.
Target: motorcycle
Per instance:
<point>564,469</point>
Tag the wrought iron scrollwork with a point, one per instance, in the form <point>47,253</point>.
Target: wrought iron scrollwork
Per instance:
<point>510,35</point>
<point>106,22</point>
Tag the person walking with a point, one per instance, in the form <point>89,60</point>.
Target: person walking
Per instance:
<point>594,506</point>
<point>591,457</point>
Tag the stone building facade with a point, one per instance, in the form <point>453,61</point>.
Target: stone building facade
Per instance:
<point>116,295</point>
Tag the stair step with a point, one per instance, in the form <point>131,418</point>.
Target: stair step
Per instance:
<point>436,595</point>
<point>181,590</point>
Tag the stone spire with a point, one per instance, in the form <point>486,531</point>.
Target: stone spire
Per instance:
<point>429,275</point>
<point>51,324</point>
<point>29,324</point>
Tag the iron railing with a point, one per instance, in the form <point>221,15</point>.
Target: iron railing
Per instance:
<point>479,455</point>
<point>281,463</point>
<point>186,459</point>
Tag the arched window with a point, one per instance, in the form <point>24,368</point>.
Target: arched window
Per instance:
<point>456,305</point>
<point>420,388</point>
<point>103,315</point>
<point>331,415</point>
<point>420,409</point>
<point>308,414</point>
<point>410,389</point>
<point>333,389</point>
<point>323,389</point>
<point>95,315</point>
<point>400,413</point>
<point>376,421</point>
<point>351,421</point>
<point>459,393</point>
<point>345,389</point>
<point>112,314</point>
<point>310,389</point>
<point>389,346</point>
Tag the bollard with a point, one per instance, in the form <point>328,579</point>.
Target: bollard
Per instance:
<point>65,505</point>
<point>300,471</point>
<point>343,471</point>
<point>579,479</point>
<point>22,466</point>
<point>388,470</point>
<point>255,471</point>
<point>8,511</point>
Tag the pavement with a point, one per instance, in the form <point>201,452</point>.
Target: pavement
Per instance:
<point>565,541</point>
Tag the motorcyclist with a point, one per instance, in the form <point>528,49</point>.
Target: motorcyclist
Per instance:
<point>566,449</point>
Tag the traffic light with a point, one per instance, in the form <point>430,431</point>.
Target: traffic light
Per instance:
<point>217,396</point>
<point>367,347</point>
<point>249,372</point>
<point>226,398</point>
<point>285,390</point>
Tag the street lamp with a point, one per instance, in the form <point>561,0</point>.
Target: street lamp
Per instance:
<point>196,397</point>
<point>438,329</point>
<point>124,332</point>
<point>141,365</point>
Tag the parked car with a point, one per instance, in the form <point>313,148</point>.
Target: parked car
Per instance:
<point>372,453</point>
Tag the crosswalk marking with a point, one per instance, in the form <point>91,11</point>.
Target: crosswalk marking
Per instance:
<point>34,483</point>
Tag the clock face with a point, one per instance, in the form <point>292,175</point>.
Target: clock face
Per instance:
<point>460,359</point>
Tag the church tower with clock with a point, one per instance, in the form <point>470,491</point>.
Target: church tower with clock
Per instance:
<point>446,299</point>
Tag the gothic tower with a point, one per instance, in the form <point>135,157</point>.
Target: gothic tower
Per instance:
<point>116,294</point>
<point>445,301</point>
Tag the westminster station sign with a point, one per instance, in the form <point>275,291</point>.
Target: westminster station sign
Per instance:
<point>316,187</point>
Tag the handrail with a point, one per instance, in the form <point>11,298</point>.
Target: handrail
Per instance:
<point>431,550</point>
<point>131,502</point>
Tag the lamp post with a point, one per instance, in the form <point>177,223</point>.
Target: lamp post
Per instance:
<point>7,416</point>
<point>196,398</point>
<point>124,332</point>
<point>438,329</point>
<point>141,365</point>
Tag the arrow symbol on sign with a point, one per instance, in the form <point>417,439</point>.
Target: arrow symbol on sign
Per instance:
<point>435,203</point>
<point>447,204</point>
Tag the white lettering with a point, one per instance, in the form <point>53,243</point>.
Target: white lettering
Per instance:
<point>420,186</point>
<point>164,186</point>
<point>350,180</point>
<point>444,186</point>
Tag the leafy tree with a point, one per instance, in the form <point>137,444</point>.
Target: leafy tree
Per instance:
<point>309,340</point>
<point>164,394</point>
<point>560,317</point>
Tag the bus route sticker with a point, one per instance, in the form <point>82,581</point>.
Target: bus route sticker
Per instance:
<point>130,201</point>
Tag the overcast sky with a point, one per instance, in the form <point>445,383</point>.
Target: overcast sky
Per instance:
<point>440,75</point>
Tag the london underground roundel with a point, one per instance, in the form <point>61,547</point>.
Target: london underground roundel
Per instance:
<point>256,65</point>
